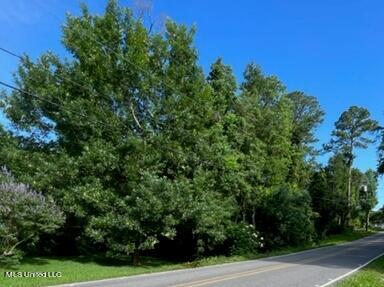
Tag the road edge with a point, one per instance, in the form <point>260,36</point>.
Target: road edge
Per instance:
<point>222,264</point>
<point>352,271</point>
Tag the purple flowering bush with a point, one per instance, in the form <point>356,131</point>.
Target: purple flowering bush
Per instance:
<point>24,215</point>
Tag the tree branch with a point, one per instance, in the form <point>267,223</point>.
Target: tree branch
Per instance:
<point>134,117</point>
<point>10,251</point>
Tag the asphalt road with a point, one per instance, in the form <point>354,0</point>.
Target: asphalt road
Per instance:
<point>317,267</point>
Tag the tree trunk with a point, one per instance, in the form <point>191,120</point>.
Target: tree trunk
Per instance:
<point>136,258</point>
<point>366,220</point>
<point>343,219</point>
<point>243,211</point>
<point>254,217</point>
<point>349,193</point>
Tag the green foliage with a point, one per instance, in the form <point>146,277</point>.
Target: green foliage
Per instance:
<point>138,220</point>
<point>380,149</point>
<point>328,190</point>
<point>268,118</point>
<point>324,202</point>
<point>307,115</point>
<point>244,239</point>
<point>377,217</point>
<point>287,217</point>
<point>368,194</point>
<point>223,83</point>
<point>350,133</point>
<point>350,130</point>
<point>329,194</point>
<point>337,177</point>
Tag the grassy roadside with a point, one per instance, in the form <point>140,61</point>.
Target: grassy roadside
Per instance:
<point>370,276</point>
<point>75,269</point>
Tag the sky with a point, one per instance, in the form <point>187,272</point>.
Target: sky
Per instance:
<point>329,49</point>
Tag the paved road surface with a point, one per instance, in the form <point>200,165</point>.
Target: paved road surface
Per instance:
<point>311,268</point>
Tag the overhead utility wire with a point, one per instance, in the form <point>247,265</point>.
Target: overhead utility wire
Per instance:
<point>21,58</point>
<point>10,86</point>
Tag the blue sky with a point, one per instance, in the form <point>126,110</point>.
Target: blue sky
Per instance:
<point>329,49</point>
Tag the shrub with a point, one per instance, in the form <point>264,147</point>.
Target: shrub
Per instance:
<point>286,218</point>
<point>24,215</point>
<point>244,239</point>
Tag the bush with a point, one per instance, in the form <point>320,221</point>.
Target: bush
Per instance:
<point>24,215</point>
<point>286,218</point>
<point>244,239</point>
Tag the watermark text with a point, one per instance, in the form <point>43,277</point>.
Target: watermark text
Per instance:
<point>22,274</point>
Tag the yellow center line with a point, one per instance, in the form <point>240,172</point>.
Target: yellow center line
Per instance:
<point>261,269</point>
<point>231,276</point>
<point>282,266</point>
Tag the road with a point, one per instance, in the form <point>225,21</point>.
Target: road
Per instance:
<point>316,267</point>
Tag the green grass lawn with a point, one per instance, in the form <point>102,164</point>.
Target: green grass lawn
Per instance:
<point>76,269</point>
<point>346,237</point>
<point>370,276</point>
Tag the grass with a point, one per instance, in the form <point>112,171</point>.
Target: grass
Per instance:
<point>370,276</point>
<point>346,237</point>
<point>76,269</point>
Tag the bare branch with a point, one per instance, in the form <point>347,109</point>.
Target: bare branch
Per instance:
<point>134,117</point>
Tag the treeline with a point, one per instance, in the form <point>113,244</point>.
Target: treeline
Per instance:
<point>133,150</point>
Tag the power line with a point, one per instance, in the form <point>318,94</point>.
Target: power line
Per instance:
<point>11,53</point>
<point>21,58</point>
<point>37,170</point>
<point>151,75</point>
<point>48,101</point>
<point>27,93</point>
<point>103,45</point>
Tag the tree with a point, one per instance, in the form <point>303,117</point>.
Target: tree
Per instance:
<point>350,133</point>
<point>24,215</point>
<point>380,168</point>
<point>6,143</point>
<point>286,217</point>
<point>337,176</point>
<point>322,202</point>
<point>377,217</point>
<point>223,83</point>
<point>229,175</point>
<point>329,200</point>
<point>197,147</point>
<point>267,115</point>
<point>367,196</point>
<point>138,133</point>
<point>307,115</point>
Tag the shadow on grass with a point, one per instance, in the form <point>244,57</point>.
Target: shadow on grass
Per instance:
<point>27,260</point>
<point>152,262</point>
<point>35,261</point>
<point>146,262</point>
